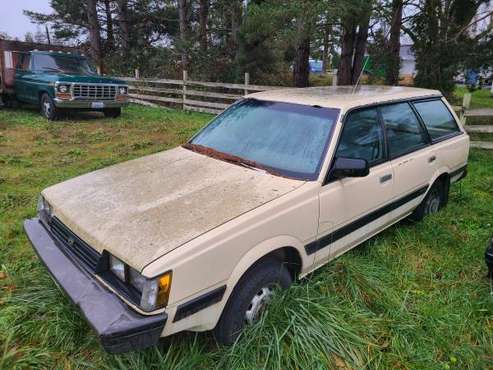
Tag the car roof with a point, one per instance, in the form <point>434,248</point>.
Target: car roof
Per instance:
<point>344,97</point>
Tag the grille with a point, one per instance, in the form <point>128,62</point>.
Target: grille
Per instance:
<point>73,245</point>
<point>89,91</point>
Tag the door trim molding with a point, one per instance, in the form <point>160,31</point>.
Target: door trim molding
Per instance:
<point>345,230</point>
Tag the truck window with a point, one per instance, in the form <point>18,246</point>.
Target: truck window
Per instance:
<point>23,61</point>
<point>62,63</point>
<point>437,118</point>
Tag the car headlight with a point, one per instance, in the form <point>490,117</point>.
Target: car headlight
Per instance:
<point>44,209</point>
<point>122,91</point>
<point>154,293</point>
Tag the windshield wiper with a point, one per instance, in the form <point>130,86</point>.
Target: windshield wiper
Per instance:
<point>225,156</point>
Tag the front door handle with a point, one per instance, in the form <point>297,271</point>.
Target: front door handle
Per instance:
<point>385,178</point>
<point>432,158</point>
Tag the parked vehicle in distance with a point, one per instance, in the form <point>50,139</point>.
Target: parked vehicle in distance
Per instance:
<point>56,79</point>
<point>200,237</point>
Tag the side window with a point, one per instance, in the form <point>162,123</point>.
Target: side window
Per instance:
<point>23,61</point>
<point>437,118</point>
<point>404,132</point>
<point>362,137</point>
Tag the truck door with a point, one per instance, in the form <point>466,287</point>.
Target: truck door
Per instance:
<point>22,90</point>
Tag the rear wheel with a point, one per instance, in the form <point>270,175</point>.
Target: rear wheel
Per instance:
<point>435,200</point>
<point>112,112</point>
<point>250,298</point>
<point>48,109</point>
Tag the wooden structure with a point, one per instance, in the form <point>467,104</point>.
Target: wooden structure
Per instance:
<point>481,134</point>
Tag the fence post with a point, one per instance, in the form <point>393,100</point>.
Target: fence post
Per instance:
<point>137,73</point>
<point>334,77</point>
<point>185,78</point>
<point>247,82</point>
<point>466,103</point>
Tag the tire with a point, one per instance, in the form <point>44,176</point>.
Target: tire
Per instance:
<point>250,297</point>
<point>435,200</point>
<point>112,112</point>
<point>48,109</point>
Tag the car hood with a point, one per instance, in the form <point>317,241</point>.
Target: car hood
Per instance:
<point>142,209</point>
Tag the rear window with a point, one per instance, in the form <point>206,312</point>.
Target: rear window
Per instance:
<point>437,118</point>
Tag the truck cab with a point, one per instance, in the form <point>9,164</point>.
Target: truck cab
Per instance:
<point>58,81</point>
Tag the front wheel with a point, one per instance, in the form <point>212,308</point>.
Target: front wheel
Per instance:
<point>250,297</point>
<point>48,109</point>
<point>112,112</point>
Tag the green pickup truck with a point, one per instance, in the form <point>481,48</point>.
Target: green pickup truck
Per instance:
<point>56,81</point>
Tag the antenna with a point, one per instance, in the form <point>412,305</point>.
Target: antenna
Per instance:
<point>360,73</point>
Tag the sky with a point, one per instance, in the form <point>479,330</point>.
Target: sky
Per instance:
<point>14,22</point>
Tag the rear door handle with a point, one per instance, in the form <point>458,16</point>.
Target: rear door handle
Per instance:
<point>385,178</point>
<point>432,158</point>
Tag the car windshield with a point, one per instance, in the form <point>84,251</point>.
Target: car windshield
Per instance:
<point>282,138</point>
<point>62,64</point>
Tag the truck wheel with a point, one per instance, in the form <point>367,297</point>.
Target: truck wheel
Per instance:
<point>112,112</point>
<point>250,298</point>
<point>435,200</point>
<point>48,109</point>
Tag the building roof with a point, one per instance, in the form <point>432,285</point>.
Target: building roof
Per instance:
<point>343,97</point>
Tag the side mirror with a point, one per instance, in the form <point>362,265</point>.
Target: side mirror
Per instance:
<point>350,167</point>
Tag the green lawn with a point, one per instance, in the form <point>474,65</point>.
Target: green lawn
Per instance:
<point>480,98</point>
<point>415,297</point>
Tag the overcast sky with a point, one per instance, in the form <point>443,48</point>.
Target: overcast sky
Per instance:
<point>14,22</point>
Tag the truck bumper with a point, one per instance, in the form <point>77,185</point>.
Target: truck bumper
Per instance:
<point>88,104</point>
<point>119,328</point>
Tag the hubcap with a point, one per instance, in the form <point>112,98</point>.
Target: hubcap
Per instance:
<point>433,203</point>
<point>258,304</point>
<point>47,107</point>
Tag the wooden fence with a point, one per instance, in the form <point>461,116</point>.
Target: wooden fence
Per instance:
<point>198,96</point>
<point>214,97</point>
<point>482,133</point>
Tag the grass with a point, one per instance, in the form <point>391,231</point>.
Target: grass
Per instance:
<point>482,98</point>
<point>414,297</point>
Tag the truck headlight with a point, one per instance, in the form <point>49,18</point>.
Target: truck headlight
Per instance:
<point>154,293</point>
<point>63,88</point>
<point>122,90</point>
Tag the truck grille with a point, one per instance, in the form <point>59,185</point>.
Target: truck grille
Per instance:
<point>94,91</point>
<point>72,245</point>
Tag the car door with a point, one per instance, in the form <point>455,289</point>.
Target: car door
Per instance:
<point>349,206</point>
<point>412,157</point>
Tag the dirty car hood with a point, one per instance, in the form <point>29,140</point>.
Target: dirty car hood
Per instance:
<point>142,209</point>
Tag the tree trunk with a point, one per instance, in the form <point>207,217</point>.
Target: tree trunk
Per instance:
<point>94,33</point>
<point>326,46</point>
<point>123,24</point>
<point>301,66</point>
<point>392,71</point>
<point>110,42</point>
<point>344,72</point>
<point>203,18</point>
<point>183,8</point>
<point>360,48</point>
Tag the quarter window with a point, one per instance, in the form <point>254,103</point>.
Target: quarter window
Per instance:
<point>362,137</point>
<point>437,118</point>
<point>404,132</point>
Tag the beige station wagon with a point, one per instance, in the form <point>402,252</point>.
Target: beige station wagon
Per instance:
<point>198,237</point>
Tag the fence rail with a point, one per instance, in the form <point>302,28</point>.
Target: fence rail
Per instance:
<point>481,134</point>
<point>199,96</point>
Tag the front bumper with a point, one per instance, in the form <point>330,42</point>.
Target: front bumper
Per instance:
<point>119,328</point>
<point>87,104</point>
